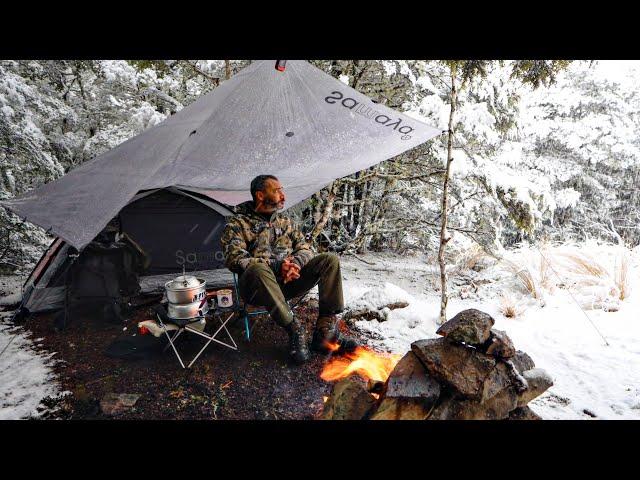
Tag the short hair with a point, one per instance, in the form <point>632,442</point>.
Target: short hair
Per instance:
<point>258,184</point>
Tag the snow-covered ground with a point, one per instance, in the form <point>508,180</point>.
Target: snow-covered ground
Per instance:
<point>26,375</point>
<point>553,330</point>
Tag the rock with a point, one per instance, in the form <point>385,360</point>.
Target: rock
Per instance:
<point>380,314</point>
<point>376,386</point>
<point>469,326</point>
<point>349,400</point>
<point>522,361</point>
<point>410,380</point>
<point>395,305</point>
<point>401,409</point>
<point>523,413</point>
<point>497,407</point>
<point>363,314</point>
<point>498,379</point>
<point>463,368</point>
<point>115,403</point>
<point>499,345</point>
<point>539,381</point>
<point>517,379</point>
<point>445,407</point>
<point>455,407</point>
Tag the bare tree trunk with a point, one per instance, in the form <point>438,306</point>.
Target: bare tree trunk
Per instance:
<point>227,69</point>
<point>444,234</point>
<point>326,211</point>
<point>350,209</point>
<point>317,208</point>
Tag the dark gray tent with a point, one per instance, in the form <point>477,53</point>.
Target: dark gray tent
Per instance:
<point>301,125</point>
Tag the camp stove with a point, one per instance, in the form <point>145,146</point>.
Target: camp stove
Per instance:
<point>186,310</point>
<point>187,297</point>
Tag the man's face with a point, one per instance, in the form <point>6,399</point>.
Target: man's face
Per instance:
<point>272,198</point>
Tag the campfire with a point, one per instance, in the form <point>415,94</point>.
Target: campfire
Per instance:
<point>473,373</point>
<point>370,365</point>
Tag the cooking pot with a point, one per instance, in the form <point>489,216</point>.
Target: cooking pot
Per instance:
<point>185,289</point>
<point>186,311</point>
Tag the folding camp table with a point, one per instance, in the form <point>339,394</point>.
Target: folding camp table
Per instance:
<point>178,326</point>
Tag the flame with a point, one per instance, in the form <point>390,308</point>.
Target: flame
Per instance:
<point>366,363</point>
<point>325,398</point>
<point>333,346</point>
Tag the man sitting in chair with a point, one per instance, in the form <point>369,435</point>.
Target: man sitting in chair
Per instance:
<point>275,263</point>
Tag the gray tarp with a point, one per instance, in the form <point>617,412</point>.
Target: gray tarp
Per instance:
<point>301,125</point>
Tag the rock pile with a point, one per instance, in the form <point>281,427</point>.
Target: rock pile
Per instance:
<point>473,373</point>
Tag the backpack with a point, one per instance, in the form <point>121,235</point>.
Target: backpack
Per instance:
<point>104,278</point>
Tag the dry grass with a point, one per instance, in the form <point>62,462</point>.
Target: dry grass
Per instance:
<point>526,277</point>
<point>621,275</point>
<point>470,258</point>
<point>583,264</point>
<point>509,307</point>
<point>597,276</point>
<point>546,274</point>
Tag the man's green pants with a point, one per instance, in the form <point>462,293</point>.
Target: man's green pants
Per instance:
<point>259,286</point>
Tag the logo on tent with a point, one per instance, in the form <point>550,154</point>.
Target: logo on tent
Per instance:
<point>183,257</point>
<point>368,112</point>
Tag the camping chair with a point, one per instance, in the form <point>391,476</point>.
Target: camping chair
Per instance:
<point>245,314</point>
<point>178,326</point>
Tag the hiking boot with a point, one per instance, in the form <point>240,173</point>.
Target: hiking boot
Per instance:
<point>298,350</point>
<point>327,338</point>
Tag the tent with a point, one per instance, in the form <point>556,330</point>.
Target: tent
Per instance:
<point>300,124</point>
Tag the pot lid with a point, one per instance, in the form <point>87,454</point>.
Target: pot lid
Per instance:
<point>184,281</point>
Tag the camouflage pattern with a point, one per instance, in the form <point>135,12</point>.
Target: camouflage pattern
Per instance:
<point>258,285</point>
<point>248,238</point>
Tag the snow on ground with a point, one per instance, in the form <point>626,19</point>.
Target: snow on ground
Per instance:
<point>26,375</point>
<point>554,330</point>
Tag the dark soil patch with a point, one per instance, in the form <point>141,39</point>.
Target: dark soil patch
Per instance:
<point>255,382</point>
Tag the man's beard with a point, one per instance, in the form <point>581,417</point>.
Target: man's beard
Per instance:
<point>273,206</point>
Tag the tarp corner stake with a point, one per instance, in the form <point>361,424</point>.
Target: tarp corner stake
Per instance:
<point>281,65</point>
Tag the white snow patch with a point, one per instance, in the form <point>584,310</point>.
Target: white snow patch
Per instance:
<point>555,332</point>
<point>376,298</point>
<point>26,375</point>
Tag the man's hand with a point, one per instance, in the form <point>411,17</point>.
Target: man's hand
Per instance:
<point>289,270</point>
